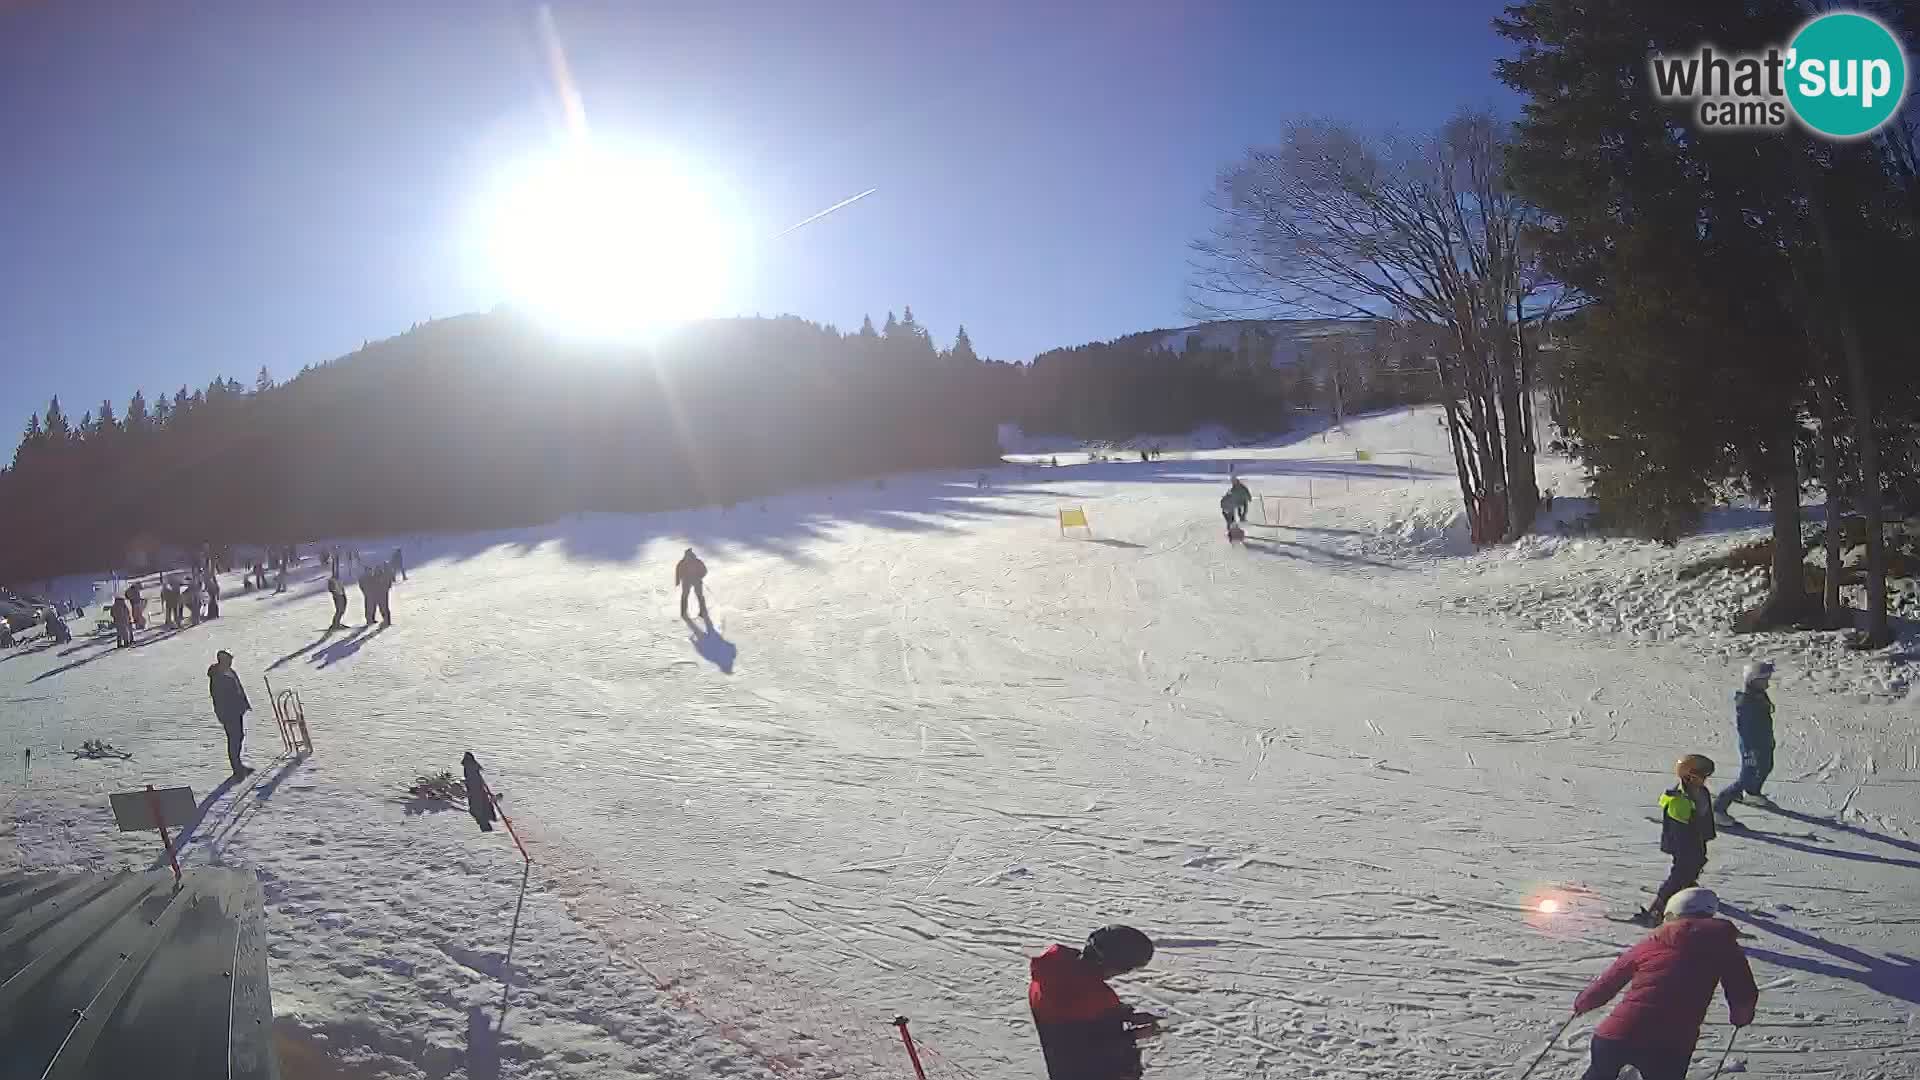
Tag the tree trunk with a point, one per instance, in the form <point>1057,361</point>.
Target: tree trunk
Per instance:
<point>1879,633</point>
<point>1787,602</point>
<point>1830,480</point>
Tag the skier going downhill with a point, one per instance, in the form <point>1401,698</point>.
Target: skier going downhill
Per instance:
<point>1686,825</point>
<point>1085,1031</point>
<point>691,575</point>
<point>1669,978</point>
<point>1753,722</point>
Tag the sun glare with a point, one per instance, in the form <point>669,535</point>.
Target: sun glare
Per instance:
<point>610,245</point>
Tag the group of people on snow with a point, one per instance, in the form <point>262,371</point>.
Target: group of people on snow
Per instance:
<point>1669,977</point>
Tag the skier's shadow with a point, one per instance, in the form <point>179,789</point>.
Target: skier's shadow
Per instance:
<point>1841,826</point>
<point>1896,976</point>
<point>715,649</point>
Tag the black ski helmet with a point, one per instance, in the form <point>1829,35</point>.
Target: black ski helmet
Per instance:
<point>1119,948</point>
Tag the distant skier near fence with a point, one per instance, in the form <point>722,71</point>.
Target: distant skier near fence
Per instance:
<point>1086,1033</point>
<point>691,575</point>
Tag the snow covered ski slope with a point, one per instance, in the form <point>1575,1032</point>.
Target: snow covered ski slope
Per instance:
<point>930,736</point>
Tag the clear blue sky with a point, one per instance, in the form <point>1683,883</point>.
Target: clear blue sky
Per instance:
<point>192,189</point>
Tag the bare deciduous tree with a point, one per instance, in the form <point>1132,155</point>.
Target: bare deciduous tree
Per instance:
<point>1335,224</point>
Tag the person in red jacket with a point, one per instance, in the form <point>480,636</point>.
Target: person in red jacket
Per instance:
<point>1669,978</point>
<point>1085,1031</point>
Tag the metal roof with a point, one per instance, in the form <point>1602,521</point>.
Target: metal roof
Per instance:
<point>123,975</point>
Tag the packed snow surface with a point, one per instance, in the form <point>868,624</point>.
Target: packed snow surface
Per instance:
<point>928,736</point>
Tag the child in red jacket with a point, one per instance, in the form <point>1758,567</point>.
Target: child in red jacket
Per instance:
<point>1085,1032</point>
<point>1669,978</point>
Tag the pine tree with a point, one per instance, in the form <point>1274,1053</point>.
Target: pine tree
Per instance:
<point>867,332</point>
<point>105,422</point>
<point>30,442</point>
<point>181,403</point>
<point>963,348</point>
<point>137,418</point>
<point>263,382</point>
<point>58,433</point>
<point>162,411</point>
<point>891,331</point>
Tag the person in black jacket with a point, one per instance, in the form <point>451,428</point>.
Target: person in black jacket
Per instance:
<point>122,623</point>
<point>1086,1033</point>
<point>691,575</point>
<point>230,705</point>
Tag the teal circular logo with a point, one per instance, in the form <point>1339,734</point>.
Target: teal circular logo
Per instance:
<point>1847,75</point>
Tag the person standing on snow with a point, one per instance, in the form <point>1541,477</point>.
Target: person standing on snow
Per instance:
<point>213,595</point>
<point>136,607</point>
<point>381,580</point>
<point>170,602</point>
<point>1085,1031</point>
<point>691,575</point>
<point>122,623</point>
<point>1669,978</point>
<point>1229,503</point>
<point>397,565</point>
<point>338,590</point>
<point>230,705</point>
<point>1686,826</point>
<point>1242,498</point>
<point>1753,722</point>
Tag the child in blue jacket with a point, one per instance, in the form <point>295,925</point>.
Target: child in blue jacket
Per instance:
<point>1753,721</point>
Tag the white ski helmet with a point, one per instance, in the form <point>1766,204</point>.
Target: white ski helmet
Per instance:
<point>1694,901</point>
<point>1759,671</point>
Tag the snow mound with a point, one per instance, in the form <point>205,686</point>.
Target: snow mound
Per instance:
<point>1655,604</point>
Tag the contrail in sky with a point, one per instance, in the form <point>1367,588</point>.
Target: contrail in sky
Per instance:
<point>824,213</point>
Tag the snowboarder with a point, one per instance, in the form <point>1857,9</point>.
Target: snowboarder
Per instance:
<point>122,623</point>
<point>479,797</point>
<point>338,589</point>
<point>1085,1031</point>
<point>1753,722</point>
<point>230,705</point>
<point>1686,826</point>
<point>1669,978</point>
<point>136,606</point>
<point>1242,498</point>
<point>691,575</point>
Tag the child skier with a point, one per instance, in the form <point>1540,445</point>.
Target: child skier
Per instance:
<point>1085,1032</point>
<point>1669,977</point>
<point>1753,722</point>
<point>1686,825</point>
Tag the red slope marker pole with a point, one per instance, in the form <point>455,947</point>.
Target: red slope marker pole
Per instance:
<point>153,807</point>
<point>912,1054</point>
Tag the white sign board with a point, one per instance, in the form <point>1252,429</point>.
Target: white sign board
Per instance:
<point>133,810</point>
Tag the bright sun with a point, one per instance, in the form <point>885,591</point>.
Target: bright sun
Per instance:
<point>610,245</point>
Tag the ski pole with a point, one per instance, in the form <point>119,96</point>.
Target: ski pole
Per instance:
<point>1731,1035</point>
<point>1561,1030</point>
<point>912,1054</point>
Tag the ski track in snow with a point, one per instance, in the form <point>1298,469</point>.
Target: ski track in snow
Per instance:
<point>916,755</point>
